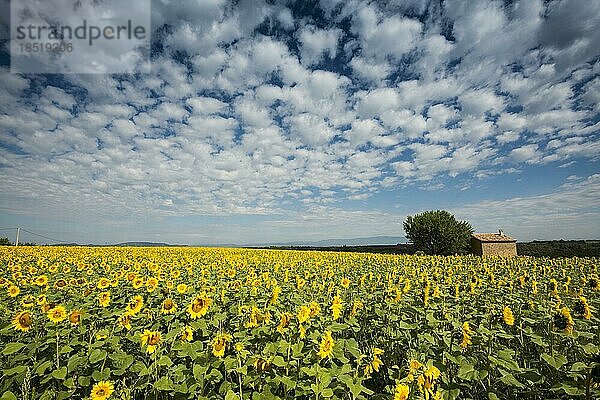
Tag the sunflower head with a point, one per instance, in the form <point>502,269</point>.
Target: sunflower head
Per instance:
<point>23,321</point>
<point>57,314</point>
<point>102,390</point>
<point>262,364</point>
<point>187,334</point>
<point>507,316</point>
<point>219,344</point>
<point>182,288</point>
<point>563,320</point>
<point>151,339</point>
<point>125,321</point>
<point>13,291</point>
<point>582,308</point>
<point>168,306</point>
<point>75,317</point>
<point>402,391</point>
<point>60,284</point>
<point>326,346</point>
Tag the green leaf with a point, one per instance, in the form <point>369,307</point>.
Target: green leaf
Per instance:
<point>199,371</point>
<point>492,396</point>
<point>467,372</point>
<point>165,361</point>
<point>231,395</point>
<point>8,395</point>
<point>60,373</point>
<point>288,382</point>
<point>279,361</point>
<point>510,380</point>
<point>163,383</point>
<point>16,370</point>
<point>315,388</point>
<point>569,388</point>
<point>97,355</point>
<point>101,376</point>
<point>84,380</point>
<point>578,367</point>
<point>337,327</point>
<point>70,383</point>
<point>63,395</point>
<point>450,394</point>
<point>590,348</point>
<point>327,392</point>
<point>12,348</point>
<point>122,361</point>
<point>404,325</point>
<point>41,369</point>
<point>556,361</point>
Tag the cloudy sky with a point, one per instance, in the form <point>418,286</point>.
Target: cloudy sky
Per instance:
<point>280,121</point>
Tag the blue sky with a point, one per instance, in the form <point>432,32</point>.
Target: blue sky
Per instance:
<point>285,121</point>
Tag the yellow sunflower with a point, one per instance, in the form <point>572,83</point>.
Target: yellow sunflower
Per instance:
<point>336,307</point>
<point>169,307</point>
<point>326,346</point>
<point>467,333</point>
<point>135,305</point>
<point>41,300</point>
<point>402,392</point>
<point>508,316</point>
<point>182,288</point>
<point>315,309</point>
<point>275,295</point>
<point>284,321</point>
<point>102,390</point>
<point>151,285</point>
<point>303,313</point>
<point>13,291</point>
<point>75,317</point>
<point>138,282</point>
<point>199,306</point>
<point>104,299</point>
<point>219,344</point>
<point>151,339</point>
<point>41,280</point>
<point>375,364</point>
<point>103,283</point>
<point>187,334</point>
<point>60,284</point>
<point>57,314</point>
<point>23,321</point>
<point>125,321</point>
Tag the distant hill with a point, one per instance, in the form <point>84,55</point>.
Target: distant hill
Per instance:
<point>363,241</point>
<point>147,244</point>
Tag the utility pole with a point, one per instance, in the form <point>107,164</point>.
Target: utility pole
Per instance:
<point>17,241</point>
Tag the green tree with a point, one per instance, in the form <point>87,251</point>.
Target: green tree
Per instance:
<point>4,241</point>
<point>438,232</point>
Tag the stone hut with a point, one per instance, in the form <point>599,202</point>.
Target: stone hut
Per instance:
<point>493,244</point>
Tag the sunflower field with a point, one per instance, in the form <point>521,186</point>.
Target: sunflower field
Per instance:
<point>204,323</point>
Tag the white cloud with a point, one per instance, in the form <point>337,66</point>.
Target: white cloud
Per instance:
<point>311,129</point>
<point>370,71</point>
<point>315,43</point>
<point>382,36</point>
<point>244,123</point>
<point>528,153</point>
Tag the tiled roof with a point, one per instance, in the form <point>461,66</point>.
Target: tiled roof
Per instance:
<point>493,237</point>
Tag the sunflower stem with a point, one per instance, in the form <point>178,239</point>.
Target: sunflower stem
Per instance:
<point>57,357</point>
<point>240,377</point>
